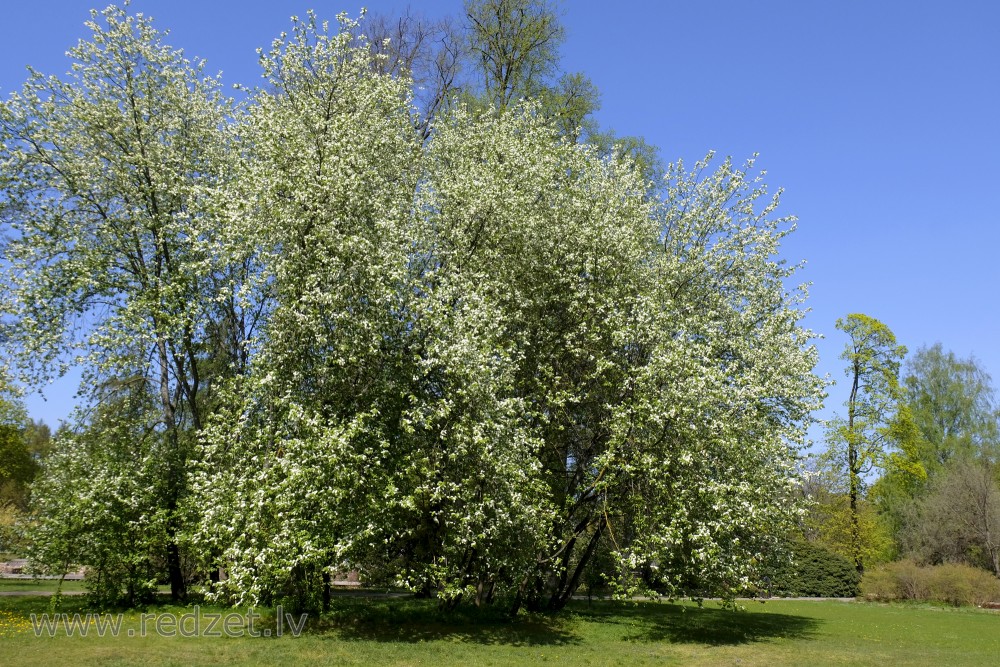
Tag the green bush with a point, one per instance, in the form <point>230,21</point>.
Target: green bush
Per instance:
<point>881,584</point>
<point>954,584</point>
<point>815,572</point>
<point>961,585</point>
<point>902,580</point>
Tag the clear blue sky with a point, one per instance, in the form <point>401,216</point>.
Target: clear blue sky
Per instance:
<point>880,120</point>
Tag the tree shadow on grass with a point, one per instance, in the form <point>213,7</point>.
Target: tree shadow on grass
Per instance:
<point>412,620</point>
<point>683,623</point>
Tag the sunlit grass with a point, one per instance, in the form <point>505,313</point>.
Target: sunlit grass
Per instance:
<point>387,632</point>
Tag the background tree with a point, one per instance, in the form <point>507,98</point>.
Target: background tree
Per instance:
<point>17,466</point>
<point>515,44</point>
<point>499,52</point>
<point>958,520</point>
<point>431,54</point>
<point>953,404</point>
<point>38,436</point>
<point>874,421</point>
<point>901,483</point>
<point>954,419</point>
<point>645,156</point>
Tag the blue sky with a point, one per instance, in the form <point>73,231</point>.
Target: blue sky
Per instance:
<point>880,120</point>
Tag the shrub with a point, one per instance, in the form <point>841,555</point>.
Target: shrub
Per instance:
<point>911,581</point>
<point>961,585</point>
<point>881,584</point>
<point>951,583</point>
<point>815,572</point>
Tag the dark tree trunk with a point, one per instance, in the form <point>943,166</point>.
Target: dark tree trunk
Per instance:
<point>854,473</point>
<point>174,473</point>
<point>561,597</point>
<point>178,590</point>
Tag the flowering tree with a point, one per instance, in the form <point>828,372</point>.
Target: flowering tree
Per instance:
<point>487,354</point>
<point>109,181</point>
<point>493,352</point>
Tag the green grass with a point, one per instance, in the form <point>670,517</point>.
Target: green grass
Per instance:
<point>39,585</point>
<point>411,632</point>
<point>49,586</point>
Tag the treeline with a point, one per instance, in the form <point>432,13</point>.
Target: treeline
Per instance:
<point>911,472</point>
<point>459,339</point>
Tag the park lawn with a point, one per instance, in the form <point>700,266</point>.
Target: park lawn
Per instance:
<point>43,586</point>
<point>410,632</point>
<point>39,585</point>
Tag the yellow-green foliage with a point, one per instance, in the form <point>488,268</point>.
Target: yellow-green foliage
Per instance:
<point>9,516</point>
<point>951,583</point>
<point>830,522</point>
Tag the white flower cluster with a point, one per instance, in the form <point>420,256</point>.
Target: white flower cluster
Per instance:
<point>489,363</point>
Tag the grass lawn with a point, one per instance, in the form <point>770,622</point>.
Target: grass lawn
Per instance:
<point>48,586</point>
<point>409,632</point>
<point>39,585</point>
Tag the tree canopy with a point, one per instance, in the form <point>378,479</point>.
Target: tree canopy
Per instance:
<point>462,353</point>
<point>111,185</point>
<point>953,404</point>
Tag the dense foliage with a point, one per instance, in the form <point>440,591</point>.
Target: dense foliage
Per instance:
<point>936,497</point>
<point>461,354</point>
<point>814,571</point>
<point>954,584</point>
<point>18,465</point>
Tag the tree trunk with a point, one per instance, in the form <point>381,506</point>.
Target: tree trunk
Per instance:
<point>174,474</point>
<point>327,592</point>
<point>854,473</point>
<point>561,597</point>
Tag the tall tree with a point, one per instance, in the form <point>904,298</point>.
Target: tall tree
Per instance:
<point>516,46</point>
<point>500,52</point>
<point>874,420</point>
<point>513,48</point>
<point>109,184</point>
<point>429,53</point>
